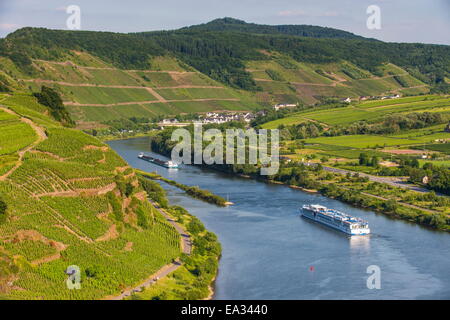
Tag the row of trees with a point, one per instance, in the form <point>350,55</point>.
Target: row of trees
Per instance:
<point>390,207</point>
<point>365,160</point>
<point>438,177</point>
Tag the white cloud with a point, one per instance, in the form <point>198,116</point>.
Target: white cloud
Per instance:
<point>292,13</point>
<point>298,13</point>
<point>329,14</point>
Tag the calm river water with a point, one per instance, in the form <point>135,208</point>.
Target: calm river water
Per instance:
<point>269,252</point>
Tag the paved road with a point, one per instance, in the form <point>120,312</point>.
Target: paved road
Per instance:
<point>186,243</point>
<point>186,246</point>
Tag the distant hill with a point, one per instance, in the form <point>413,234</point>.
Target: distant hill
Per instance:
<point>235,25</point>
<point>226,64</point>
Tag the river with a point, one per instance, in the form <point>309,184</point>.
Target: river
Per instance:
<point>269,252</point>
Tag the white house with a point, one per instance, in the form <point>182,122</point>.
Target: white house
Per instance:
<point>283,105</point>
<point>347,100</point>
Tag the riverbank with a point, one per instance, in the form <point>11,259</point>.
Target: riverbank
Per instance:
<point>211,289</point>
<point>196,271</point>
<point>193,191</point>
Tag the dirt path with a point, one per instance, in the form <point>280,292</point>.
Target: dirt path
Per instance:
<point>187,86</point>
<point>70,63</point>
<point>77,192</point>
<point>318,122</point>
<point>117,86</point>
<point>76,104</point>
<point>156,95</point>
<point>342,81</point>
<point>41,137</point>
<point>186,246</point>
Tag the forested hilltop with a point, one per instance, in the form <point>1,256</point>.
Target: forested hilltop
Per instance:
<point>226,64</point>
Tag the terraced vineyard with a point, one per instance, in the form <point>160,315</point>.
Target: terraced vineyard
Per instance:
<point>71,200</point>
<point>95,91</point>
<point>287,80</point>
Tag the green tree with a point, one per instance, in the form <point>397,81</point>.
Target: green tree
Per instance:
<point>363,159</point>
<point>51,99</point>
<point>415,163</point>
<point>3,213</point>
<point>375,161</point>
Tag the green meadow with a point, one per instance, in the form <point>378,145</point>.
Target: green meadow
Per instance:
<point>362,141</point>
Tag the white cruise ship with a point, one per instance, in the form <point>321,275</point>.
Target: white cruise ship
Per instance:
<point>336,219</point>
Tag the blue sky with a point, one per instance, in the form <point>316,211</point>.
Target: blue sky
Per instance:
<point>425,21</point>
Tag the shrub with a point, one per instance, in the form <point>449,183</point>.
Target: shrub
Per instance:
<point>3,213</point>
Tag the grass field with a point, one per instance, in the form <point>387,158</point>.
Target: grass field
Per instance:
<point>167,64</point>
<point>288,69</point>
<point>439,163</point>
<point>14,134</point>
<point>361,141</point>
<point>196,93</point>
<point>100,114</point>
<point>100,95</point>
<point>111,77</point>
<point>339,151</point>
<point>439,147</point>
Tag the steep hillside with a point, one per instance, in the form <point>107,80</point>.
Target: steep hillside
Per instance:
<point>67,199</point>
<point>94,91</point>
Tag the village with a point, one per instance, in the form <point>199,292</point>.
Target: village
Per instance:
<point>216,118</point>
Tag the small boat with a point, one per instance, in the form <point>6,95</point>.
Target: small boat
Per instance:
<point>336,219</point>
<point>167,164</point>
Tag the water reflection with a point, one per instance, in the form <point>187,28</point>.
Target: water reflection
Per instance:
<point>360,243</point>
